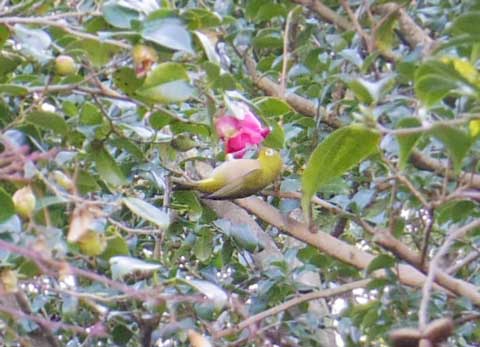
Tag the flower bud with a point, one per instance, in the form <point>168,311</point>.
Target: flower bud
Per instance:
<point>9,281</point>
<point>92,243</point>
<point>24,202</point>
<point>143,59</point>
<point>65,65</point>
<point>63,180</point>
<point>198,340</point>
<point>183,142</point>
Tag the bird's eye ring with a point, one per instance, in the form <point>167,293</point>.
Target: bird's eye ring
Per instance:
<point>269,152</point>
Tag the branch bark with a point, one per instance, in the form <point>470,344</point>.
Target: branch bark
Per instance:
<point>326,13</point>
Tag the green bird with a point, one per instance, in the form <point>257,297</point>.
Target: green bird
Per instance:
<point>239,178</point>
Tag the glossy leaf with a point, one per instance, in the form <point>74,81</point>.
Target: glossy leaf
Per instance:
<point>383,261</point>
<point>241,233</point>
<point>468,23</point>
<point>168,32</point>
<point>108,169</point>
<point>148,212</point>
<point>170,92</point>
<point>211,291</point>
<point>7,210</point>
<point>167,83</point>
<point>122,266</point>
<point>119,16</point>
<point>48,120</point>
<point>13,89</point>
<point>407,142</point>
<point>271,106</point>
<point>455,140</point>
<point>339,152</point>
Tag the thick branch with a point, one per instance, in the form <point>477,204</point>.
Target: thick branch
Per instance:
<point>325,242</point>
<point>326,13</point>
<point>299,103</point>
<point>430,164</point>
<point>413,33</point>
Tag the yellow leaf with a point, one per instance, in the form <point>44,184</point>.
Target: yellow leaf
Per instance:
<point>474,127</point>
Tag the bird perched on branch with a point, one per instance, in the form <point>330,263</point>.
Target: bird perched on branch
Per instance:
<point>239,178</point>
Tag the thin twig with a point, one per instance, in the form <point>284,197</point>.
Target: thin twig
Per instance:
<point>353,18</point>
<point>426,237</point>
<point>470,257</point>
<point>433,267</point>
<point>326,293</point>
<point>283,76</point>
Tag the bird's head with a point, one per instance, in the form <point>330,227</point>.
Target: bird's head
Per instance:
<point>271,159</point>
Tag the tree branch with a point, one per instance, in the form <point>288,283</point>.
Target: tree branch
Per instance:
<point>326,13</point>
<point>325,293</point>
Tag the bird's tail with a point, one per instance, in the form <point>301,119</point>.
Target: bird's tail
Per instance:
<point>183,182</point>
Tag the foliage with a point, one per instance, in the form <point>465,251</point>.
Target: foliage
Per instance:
<point>373,105</point>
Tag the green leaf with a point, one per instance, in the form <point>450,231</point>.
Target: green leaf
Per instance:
<point>208,47</point>
<point>340,151</point>
<point>385,34</point>
<point>241,233</point>
<point>371,92</point>
<point>108,169</point>
<point>203,247</point>
<point>269,11</point>
<point>167,93</point>
<point>432,88</point>
<point>436,79</point>
<point>383,261</point>
<point>456,141</point>
<point>468,23</point>
<point>122,266</point>
<point>99,53</point>
<point>276,139</point>
<point>48,120</point>
<point>455,211</point>
<point>8,209</point>
<point>121,334</point>
<point>214,293</point>
<point>90,115</point>
<point>268,38</point>
<point>115,246</point>
<point>13,89</point>
<point>7,65</point>
<point>190,200</point>
<point>166,72</point>
<point>361,91</point>
<point>167,83</point>
<point>148,212</point>
<point>34,42</point>
<point>119,16</point>
<point>160,119</point>
<point>407,142</point>
<point>271,106</point>
<point>168,32</point>
<point>85,182</point>
<point>200,18</point>
<point>4,34</point>
<point>126,79</point>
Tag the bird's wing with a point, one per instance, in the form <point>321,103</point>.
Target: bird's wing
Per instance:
<point>236,188</point>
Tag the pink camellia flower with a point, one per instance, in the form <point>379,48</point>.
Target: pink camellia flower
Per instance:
<point>240,134</point>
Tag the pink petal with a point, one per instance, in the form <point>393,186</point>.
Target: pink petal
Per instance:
<point>226,126</point>
<point>250,121</point>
